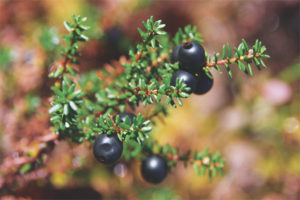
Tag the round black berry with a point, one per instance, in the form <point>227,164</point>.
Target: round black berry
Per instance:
<point>114,35</point>
<point>188,78</point>
<point>174,54</point>
<point>123,117</point>
<point>191,57</point>
<point>107,148</point>
<point>204,84</point>
<point>154,169</point>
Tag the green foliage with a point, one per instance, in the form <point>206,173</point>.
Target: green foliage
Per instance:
<point>76,35</point>
<point>49,39</point>
<point>243,56</point>
<point>70,53</point>
<point>25,168</point>
<point>203,162</point>
<point>65,108</point>
<point>5,57</point>
<point>189,33</point>
<point>84,108</point>
<point>33,101</point>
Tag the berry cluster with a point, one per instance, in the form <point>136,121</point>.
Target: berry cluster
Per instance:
<point>191,58</point>
<point>108,149</point>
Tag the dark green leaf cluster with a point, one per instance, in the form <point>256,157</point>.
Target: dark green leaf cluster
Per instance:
<point>243,56</point>
<point>146,79</point>
<point>137,131</point>
<point>70,53</point>
<point>76,35</point>
<point>153,28</point>
<point>188,34</point>
<point>207,163</point>
<point>65,109</point>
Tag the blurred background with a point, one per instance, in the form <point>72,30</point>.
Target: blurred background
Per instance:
<point>253,122</point>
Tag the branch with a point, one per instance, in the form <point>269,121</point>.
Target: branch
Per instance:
<point>203,162</point>
<point>242,55</point>
<point>24,163</point>
<point>70,53</point>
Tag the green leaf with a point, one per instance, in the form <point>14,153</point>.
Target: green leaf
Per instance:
<point>250,69</point>
<point>228,70</point>
<point>224,52</point>
<point>265,56</point>
<point>124,126</point>
<point>55,108</point>
<point>73,106</point>
<point>228,50</point>
<point>214,172</point>
<point>25,168</point>
<point>58,71</point>
<point>122,107</point>
<point>184,95</point>
<point>245,44</point>
<point>70,70</point>
<point>179,101</point>
<point>263,64</point>
<point>66,109</point>
<point>153,43</point>
<point>132,98</point>
<point>146,129</point>
<point>68,26</point>
<point>217,156</point>
<point>241,66</point>
<point>54,118</point>
<point>85,38</point>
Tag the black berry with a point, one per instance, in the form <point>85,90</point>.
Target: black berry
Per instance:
<point>123,117</point>
<point>191,57</point>
<point>107,148</point>
<point>114,35</point>
<point>204,84</point>
<point>154,169</point>
<point>188,78</point>
<point>174,54</point>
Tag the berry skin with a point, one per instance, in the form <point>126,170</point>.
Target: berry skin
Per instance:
<point>189,79</point>
<point>174,54</point>
<point>191,57</point>
<point>123,117</point>
<point>154,169</point>
<point>204,84</point>
<point>114,35</point>
<point>107,148</point>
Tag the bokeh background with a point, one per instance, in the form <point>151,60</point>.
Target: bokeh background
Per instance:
<point>253,122</point>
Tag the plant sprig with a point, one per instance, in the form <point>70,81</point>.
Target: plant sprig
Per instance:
<point>187,34</point>
<point>203,162</point>
<point>70,53</point>
<point>243,56</point>
<point>83,109</point>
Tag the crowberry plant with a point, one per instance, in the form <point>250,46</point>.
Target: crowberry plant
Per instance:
<point>90,107</point>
